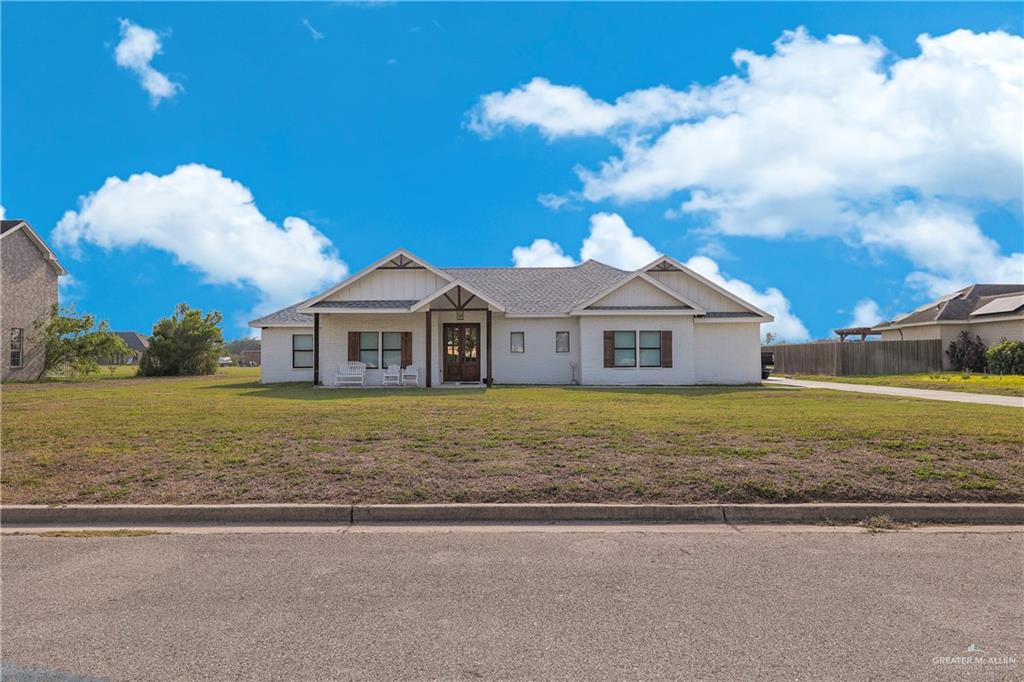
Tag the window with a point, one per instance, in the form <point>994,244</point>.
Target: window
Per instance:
<point>650,349</point>
<point>625,349</point>
<point>302,351</point>
<point>17,338</point>
<point>517,342</point>
<point>368,349</point>
<point>561,342</point>
<point>391,348</point>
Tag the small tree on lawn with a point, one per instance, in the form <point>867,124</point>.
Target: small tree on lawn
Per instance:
<point>966,353</point>
<point>1006,357</point>
<point>187,343</point>
<point>75,343</point>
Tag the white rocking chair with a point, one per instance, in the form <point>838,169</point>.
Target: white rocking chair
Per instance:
<point>351,373</point>
<point>393,375</point>
<point>408,373</point>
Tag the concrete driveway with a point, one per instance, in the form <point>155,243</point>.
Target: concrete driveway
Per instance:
<point>668,602</point>
<point>922,393</point>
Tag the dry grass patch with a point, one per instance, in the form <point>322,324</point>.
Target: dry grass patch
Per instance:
<point>229,439</point>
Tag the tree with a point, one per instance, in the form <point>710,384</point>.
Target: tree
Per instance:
<point>966,353</point>
<point>75,343</point>
<point>1006,357</point>
<point>238,345</point>
<point>769,339</point>
<point>187,343</point>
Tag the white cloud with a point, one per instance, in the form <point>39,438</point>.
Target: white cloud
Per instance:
<point>562,111</point>
<point>210,223</point>
<point>865,314</point>
<point>542,253</point>
<point>786,327</point>
<point>136,50</point>
<point>3,212</point>
<point>553,201</point>
<point>317,35</point>
<point>611,241</point>
<point>824,137</point>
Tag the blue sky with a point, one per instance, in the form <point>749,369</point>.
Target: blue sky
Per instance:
<point>361,128</point>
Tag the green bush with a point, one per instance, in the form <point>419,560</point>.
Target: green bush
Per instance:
<point>1006,357</point>
<point>74,343</point>
<point>187,343</point>
<point>967,353</point>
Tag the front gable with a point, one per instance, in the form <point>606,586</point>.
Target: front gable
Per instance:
<point>400,277</point>
<point>683,280</point>
<point>638,293</point>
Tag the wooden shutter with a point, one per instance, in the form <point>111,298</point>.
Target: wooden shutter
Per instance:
<point>666,349</point>
<point>609,349</point>
<point>353,346</point>
<point>406,349</point>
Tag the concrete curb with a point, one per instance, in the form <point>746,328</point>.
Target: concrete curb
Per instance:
<point>340,514</point>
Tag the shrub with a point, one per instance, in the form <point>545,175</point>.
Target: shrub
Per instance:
<point>187,343</point>
<point>967,353</point>
<point>73,344</point>
<point>1006,357</point>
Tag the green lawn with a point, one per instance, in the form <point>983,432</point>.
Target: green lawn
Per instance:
<point>946,381</point>
<point>228,439</point>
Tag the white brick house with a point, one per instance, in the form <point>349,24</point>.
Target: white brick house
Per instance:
<point>591,324</point>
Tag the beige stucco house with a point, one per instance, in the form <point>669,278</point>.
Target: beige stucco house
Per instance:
<point>29,270</point>
<point>594,324</point>
<point>990,311</point>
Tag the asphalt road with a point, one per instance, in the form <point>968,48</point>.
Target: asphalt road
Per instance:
<point>574,603</point>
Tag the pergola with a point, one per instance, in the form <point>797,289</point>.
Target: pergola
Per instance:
<point>862,332</point>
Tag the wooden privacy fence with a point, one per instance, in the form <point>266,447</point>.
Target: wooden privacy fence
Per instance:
<point>849,358</point>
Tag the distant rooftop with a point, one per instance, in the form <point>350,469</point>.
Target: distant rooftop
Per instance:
<point>969,303</point>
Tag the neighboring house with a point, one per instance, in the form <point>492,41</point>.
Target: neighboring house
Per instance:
<point>29,292</point>
<point>588,324</point>
<point>137,345</point>
<point>990,311</point>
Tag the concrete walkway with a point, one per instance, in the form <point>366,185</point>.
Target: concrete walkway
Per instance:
<point>922,393</point>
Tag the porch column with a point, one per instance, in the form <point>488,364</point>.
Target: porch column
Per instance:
<point>490,365</point>
<point>428,348</point>
<point>316,349</point>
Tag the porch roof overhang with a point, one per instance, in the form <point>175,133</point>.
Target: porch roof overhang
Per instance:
<point>364,306</point>
<point>453,294</point>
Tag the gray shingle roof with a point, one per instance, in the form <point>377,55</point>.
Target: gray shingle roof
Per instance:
<point>368,304</point>
<point>525,291</point>
<point>285,316</point>
<point>6,225</point>
<point>134,340</point>
<point>540,290</point>
<point>959,305</point>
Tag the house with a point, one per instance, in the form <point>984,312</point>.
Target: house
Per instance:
<point>990,311</point>
<point>137,345</point>
<point>29,271</point>
<point>592,324</point>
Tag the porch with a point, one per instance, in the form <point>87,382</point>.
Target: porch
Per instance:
<point>447,338</point>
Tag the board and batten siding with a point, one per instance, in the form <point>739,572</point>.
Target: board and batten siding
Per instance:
<point>594,373</point>
<point>391,285</point>
<point>697,291</point>
<point>276,355</point>
<point>638,293</point>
